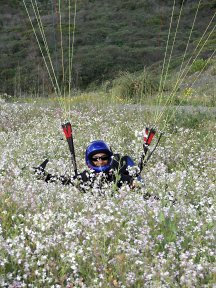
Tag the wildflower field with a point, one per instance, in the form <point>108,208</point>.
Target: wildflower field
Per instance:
<point>57,236</point>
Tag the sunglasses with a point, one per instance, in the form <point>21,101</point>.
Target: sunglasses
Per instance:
<point>97,158</point>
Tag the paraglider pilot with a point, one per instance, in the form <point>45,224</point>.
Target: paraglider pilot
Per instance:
<point>99,158</point>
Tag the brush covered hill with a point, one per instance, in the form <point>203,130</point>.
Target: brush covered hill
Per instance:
<point>110,36</point>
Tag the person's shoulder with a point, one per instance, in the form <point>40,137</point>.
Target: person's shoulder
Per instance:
<point>128,160</point>
<point>121,163</point>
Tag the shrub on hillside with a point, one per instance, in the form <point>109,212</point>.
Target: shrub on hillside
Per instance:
<point>133,86</point>
<point>199,65</point>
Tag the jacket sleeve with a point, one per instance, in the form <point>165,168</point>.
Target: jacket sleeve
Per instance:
<point>67,180</point>
<point>47,177</point>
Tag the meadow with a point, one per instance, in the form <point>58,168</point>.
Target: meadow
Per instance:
<point>57,236</point>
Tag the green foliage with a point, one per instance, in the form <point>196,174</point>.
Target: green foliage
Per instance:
<point>190,118</point>
<point>199,65</point>
<point>110,36</point>
<point>132,86</point>
<point>132,5</point>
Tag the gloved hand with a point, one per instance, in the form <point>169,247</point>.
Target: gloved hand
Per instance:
<point>47,177</point>
<point>40,170</point>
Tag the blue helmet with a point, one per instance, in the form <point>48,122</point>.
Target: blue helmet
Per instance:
<point>95,147</point>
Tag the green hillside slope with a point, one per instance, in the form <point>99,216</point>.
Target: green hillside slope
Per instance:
<point>110,36</point>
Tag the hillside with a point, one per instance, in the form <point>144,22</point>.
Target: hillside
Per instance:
<point>110,36</point>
